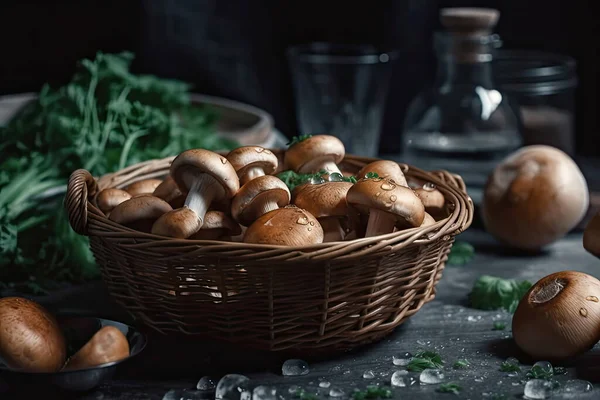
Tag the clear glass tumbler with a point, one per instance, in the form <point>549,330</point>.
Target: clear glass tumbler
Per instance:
<point>341,90</point>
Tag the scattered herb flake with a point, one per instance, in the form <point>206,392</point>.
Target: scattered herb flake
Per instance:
<point>371,175</point>
<point>537,372</point>
<point>293,179</point>
<point>449,388</point>
<point>372,393</point>
<point>508,366</point>
<point>493,293</point>
<point>298,139</point>
<point>499,326</point>
<point>461,253</point>
<point>424,360</point>
<point>461,364</point>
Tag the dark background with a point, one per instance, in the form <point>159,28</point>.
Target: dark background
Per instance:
<point>236,48</point>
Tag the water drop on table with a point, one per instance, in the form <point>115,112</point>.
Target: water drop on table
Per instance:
<point>231,386</point>
<point>246,395</point>
<point>336,177</point>
<point>398,379</point>
<point>264,393</point>
<point>574,388</point>
<point>402,359</point>
<point>184,394</point>
<point>368,374</point>
<point>335,392</point>
<point>384,373</point>
<point>293,389</point>
<point>324,384</point>
<point>479,379</point>
<point>295,367</point>
<point>537,389</point>
<point>206,383</point>
<point>431,376</point>
<point>421,342</point>
<point>544,366</point>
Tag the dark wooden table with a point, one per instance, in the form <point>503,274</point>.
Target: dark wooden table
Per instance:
<point>446,325</point>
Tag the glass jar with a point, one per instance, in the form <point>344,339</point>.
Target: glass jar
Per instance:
<point>463,123</point>
<point>543,86</point>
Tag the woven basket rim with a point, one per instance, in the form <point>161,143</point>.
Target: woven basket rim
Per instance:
<point>82,188</point>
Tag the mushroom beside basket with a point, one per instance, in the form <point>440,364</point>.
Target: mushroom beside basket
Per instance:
<point>318,298</point>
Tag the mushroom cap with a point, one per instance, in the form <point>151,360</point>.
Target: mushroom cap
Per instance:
<point>433,200</point>
<point>246,157</point>
<point>145,186</point>
<point>591,236</point>
<point>246,205</point>
<point>323,200</point>
<point>110,198</point>
<point>167,190</point>
<point>388,196</point>
<point>534,197</point>
<point>315,147</point>
<point>385,169</point>
<point>217,220</point>
<point>180,223</point>
<point>142,207</point>
<point>287,226</point>
<point>428,220</point>
<point>206,162</point>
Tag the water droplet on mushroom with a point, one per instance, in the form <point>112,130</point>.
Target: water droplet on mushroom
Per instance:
<point>311,223</point>
<point>302,221</point>
<point>309,229</point>
<point>316,180</point>
<point>592,298</point>
<point>336,177</point>
<point>429,186</point>
<point>387,186</point>
<point>393,198</point>
<point>290,228</point>
<point>223,160</point>
<point>377,179</point>
<point>583,312</point>
<point>259,149</point>
<point>377,194</point>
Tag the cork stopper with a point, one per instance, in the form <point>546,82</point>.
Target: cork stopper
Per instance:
<point>469,21</point>
<point>470,30</point>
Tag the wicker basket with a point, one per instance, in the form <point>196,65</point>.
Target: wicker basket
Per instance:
<point>325,297</point>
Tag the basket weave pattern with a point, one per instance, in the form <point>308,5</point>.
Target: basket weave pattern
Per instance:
<point>320,297</point>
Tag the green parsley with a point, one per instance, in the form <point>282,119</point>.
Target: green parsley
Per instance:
<point>372,393</point>
<point>293,179</point>
<point>499,326</point>
<point>298,139</point>
<point>539,372</point>
<point>424,360</point>
<point>461,253</point>
<point>493,293</point>
<point>508,366</point>
<point>449,388</point>
<point>371,175</point>
<point>461,364</point>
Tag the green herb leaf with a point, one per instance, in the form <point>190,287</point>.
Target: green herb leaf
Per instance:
<point>461,364</point>
<point>293,179</point>
<point>424,360</point>
<point>461,253</point>
<point>499,326</point>
<point>298,139</point>
<point>449,388</point>
<point>492,293</point>
<point>371,175</point>
<point>538,372</point>
<point>508,366</point>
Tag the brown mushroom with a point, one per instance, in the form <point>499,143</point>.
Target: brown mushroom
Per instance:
<point>384,169</point>
<point>170,192</point>
<point>217,226</point>
<point>206,176</point>
<point>110,198</point>
<point>287,226</point>
<point>388,204</point>
<point>257,197</point>
<point>591,236</point>
<point>327,202</point>
<point>316,153</point>
<point>251,162</point>
<point>108,345</point>
<point>433,200</point>
<point>140,212</point>
<point>145,186</point>
<point>180,223</point>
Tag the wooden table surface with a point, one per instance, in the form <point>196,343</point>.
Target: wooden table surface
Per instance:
<point>446,325</point>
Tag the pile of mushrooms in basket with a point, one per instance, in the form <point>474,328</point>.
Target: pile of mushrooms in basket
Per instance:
<point>238,197</point>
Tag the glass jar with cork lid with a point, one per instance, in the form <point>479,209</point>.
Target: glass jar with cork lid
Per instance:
<point>463,123</point>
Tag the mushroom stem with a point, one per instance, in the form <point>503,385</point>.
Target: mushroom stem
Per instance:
<point>379,223</point>
<point>203,189</point>
<point>332,229</point>
<point>267,206</point>
<point>317,164</point>
<point>251,173</point>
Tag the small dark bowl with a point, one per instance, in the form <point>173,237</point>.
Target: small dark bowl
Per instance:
<point>78,330</point>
